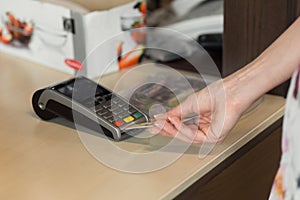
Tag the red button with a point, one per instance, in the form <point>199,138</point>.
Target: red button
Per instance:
<point>119,123</point>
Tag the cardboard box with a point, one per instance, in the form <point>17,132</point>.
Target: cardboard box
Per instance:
<point>62,37</point>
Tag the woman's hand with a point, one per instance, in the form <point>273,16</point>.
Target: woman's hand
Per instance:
<point>220,105</point>
<point>218,111</point>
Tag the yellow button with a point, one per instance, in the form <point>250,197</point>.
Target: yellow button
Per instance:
<point>128,119</point>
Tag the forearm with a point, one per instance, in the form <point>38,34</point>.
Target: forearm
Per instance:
<point>275,65</point>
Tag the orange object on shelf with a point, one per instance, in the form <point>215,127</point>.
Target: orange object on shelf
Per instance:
<point>19,29</point>
<point>131,58</point>
<point>7,38</point>
<point>142,6</point>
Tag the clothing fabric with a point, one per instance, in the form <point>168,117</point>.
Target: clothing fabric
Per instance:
<point>287,181</point>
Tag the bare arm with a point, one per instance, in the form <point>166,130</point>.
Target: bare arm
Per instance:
<point>219,114</point>
<point>274,66</point>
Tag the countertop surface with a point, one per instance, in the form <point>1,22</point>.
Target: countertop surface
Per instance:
<point>51,160</point>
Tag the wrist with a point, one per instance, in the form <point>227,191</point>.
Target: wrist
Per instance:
<point>245,86</point>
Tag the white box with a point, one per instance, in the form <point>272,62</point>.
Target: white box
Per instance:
<point>60,35</point>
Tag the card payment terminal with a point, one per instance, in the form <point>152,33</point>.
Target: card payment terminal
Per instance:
<point>89,104</point>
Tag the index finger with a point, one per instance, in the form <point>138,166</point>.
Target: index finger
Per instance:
<point>190,105</point>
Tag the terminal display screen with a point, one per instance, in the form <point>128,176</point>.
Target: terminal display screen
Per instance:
<point>81,89</point>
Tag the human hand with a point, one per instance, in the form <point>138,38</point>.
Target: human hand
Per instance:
<point>218,111</point>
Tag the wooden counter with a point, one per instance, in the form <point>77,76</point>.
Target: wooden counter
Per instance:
<point>47,160</point>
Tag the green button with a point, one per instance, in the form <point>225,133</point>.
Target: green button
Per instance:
<point>137,115</point>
